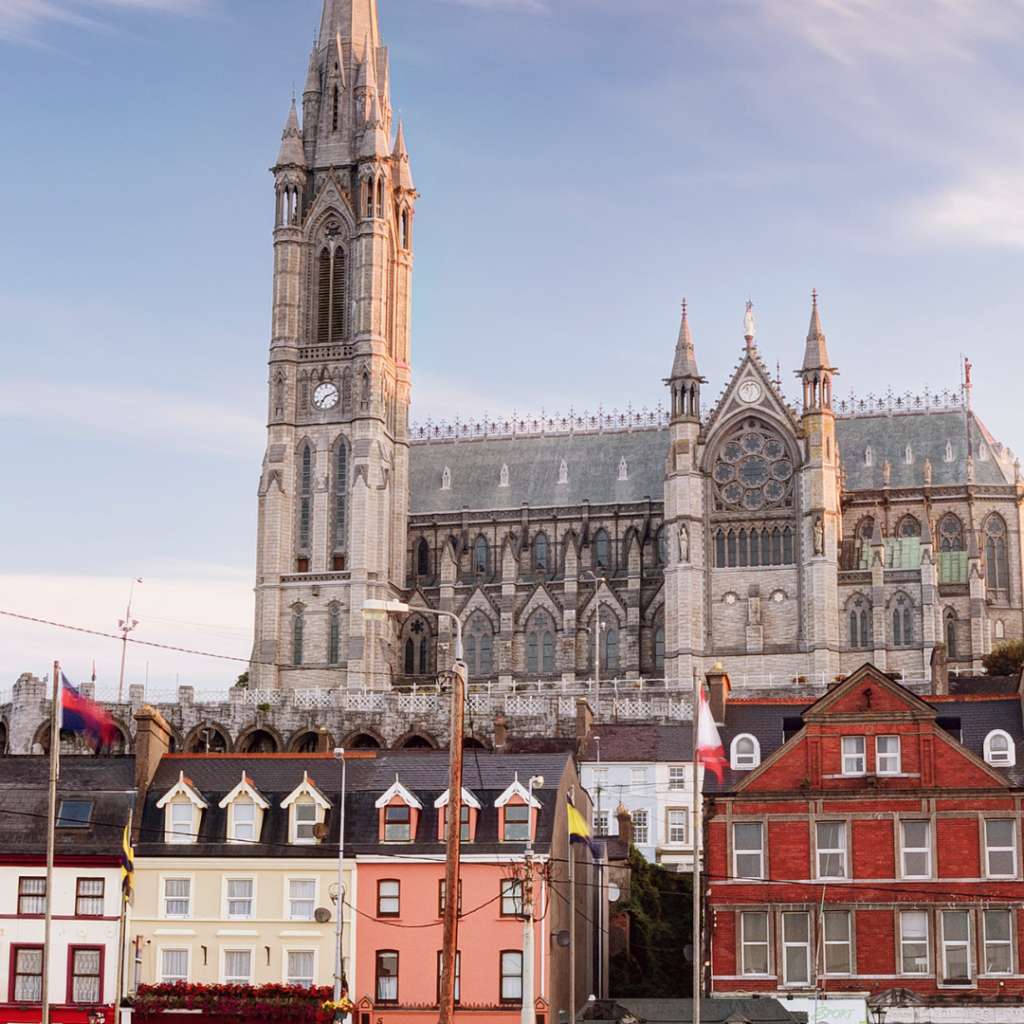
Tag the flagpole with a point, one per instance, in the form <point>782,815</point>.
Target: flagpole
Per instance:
<point>50,834</point>
<point>125,893</point>
<point>695,838</point>
<point>572,924</point>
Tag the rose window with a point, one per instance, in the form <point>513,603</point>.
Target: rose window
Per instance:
<point>753,470</point>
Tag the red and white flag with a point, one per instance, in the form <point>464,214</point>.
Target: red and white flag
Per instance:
<point>709,744</point>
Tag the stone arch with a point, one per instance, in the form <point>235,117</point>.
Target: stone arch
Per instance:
<point>5,734</point>
<point>908,526</point>
<point>208,737</point>
<point>474,741</point>
<point>857,619</point>
<point>365,738</point>
<point>307,741</point>
<point>416,739</point>
<point>259,739</point>
<point>74,743</point>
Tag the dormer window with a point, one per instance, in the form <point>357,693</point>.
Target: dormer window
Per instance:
<point>245,805</point>
<point>183,806</point>
<point>307,807</point>
<point>1000,749</point>
<point>469,813</point>
<point>399,814</point>
<point>517,814</point>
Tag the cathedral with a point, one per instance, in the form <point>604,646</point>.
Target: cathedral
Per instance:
<point>791,544</point>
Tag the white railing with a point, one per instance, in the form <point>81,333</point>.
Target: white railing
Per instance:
<point>275,698</point>
<point>361,700</point>
<point>567,705</point>
<point>524,704</point>
<point>211,696</point>
<point>626,708</point>
<point>315,698</point>
<point>680,709</point>
<point>479,703</point>
<point>780,679</point>
<point>422,702</point>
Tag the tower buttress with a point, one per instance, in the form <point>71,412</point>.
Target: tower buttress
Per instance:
<point>819,503</point>
<point>684,517</point>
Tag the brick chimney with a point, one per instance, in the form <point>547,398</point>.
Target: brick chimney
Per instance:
<point>625,820</point>
<point>500,735</point>
<point>940,670</point>
<point>718,692</point>
<point>584,720</point>
<point>152,740</point>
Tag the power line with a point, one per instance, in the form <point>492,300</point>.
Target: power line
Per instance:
<point>121,639</point>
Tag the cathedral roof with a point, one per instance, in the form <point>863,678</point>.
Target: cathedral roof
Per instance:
<point>926,434</point>
<point>593,465</point>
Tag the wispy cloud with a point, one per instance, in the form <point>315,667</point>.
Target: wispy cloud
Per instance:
<point>134,415</point>
<point>20,18</point>
<point>987,209</point>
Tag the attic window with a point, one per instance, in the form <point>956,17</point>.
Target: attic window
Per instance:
<point>504,475</point>
<point>399,814</point>
<point>446,479</point>
<point>307,807</point>
<point>623,469</point>
<point>999,749</point>
<point>245,805</point>
<point>183,806</point>
<point>563,473</point>
<point>397,824</point>
<point>74,814</point>
<point>517,813</point>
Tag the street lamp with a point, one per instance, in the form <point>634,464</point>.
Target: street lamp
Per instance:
<point>378,611</point>
<point>126,625</point>
<point>598,580</point>
<point>877,1013</point>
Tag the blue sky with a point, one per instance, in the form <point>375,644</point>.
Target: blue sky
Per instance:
<point>583,164</point>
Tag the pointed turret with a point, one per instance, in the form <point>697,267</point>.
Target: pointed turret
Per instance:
<point>401,175</point>
<point>291,152</point>
<point>312,86</point>
<point>367,69</point>
<point>375,143</point>
<point>686,380</point>
<point>817,371</point>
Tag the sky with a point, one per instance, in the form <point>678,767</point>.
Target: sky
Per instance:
<point>583,166</point>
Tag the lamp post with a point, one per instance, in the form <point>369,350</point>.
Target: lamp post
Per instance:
<point>378,611</point>
<point>598,580</point>
<point>126,625</point>
<point>339,752</point>
<point>877,1013</point>
<point>528,1015</point>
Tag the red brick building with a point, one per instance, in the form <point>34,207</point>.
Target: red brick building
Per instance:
<point>872,854</point>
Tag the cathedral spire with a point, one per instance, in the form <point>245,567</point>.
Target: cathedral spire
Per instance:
<point>401,175</point>
<point>354,19</point>
<point>815,354</point>
<point>817,371</point>
<point>686,380</point>
<point>291,151</point>
<point>312,86</point>
<point>685,363</point>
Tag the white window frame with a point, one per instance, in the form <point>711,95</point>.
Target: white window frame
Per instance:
<point>228,898</point>
<point>289,900</point>
<point>948,944</point>
<point>163,978</point>
<point>1008,942</point>
<point>766,943</point>
<point>286,978</point>
<point>671,826</point>
<point>991,849</point>
<point>164,879</point>
<point>854,761</point>
<point>303,793</point>
<point>830,852</point>
<point>847,942</point>
<point>915,940</point>
<point>244,793</point>
<point>802,944</point>
<point>744,762</point>
<point>224,950</point>
<point>881,756</point>
<point>602,822</point>
<point>1000,759</point>
<point>677,777</point>
<point>905,849</point>
<point>643,838</point>
<point>172,834</point>
<point>737,853</point>
<point>182,792</point>
<point>638,780</point>
<point>599,778</point>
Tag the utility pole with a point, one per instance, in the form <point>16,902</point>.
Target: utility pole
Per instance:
<point>126,625</point>
<point>55,725</point>
<point>528,1015</point>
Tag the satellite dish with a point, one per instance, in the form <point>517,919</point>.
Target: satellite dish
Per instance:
<point>563,938</point>
<point>319,830</point>
<point>321,915</point>
<point>614,892</point>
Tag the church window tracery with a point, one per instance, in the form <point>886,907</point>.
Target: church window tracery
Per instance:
<point>995,555</point>
<point>540,552</point>
<point>601,550</point>
<point>860,623</point>
<point>297,633</point>
<point>753,470</point>
<point>951,532</point>
<point>756,546</point>
<point>305,496</point>
<point>480,555</point>
<point>902,622</point>
<point>479,646</point>
<point>340,500</point>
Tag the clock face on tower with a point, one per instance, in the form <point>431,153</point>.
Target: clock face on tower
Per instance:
<point>326,396</point>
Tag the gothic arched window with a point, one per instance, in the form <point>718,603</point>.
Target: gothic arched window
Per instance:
<point>470,653</point>
<point>659,648</point>
<point>340,498</point>
<point>540,552</point>
<point>305,495</point>
<point>662,559</point>
<point>480,555</point>
<point>601,550</point>
<point>531,654</point>
<point>410,657</point>
<point>908,527</point>
<point>787,546</point>
<point>548,652</point>
<point>611,650</point>
<point>995,555</point>
<point>330,302</point>
<point>902,622</point>
<point>297,631</point>
<point>720,549</point>
<point>334,640</point>
<point>478,646</point>
<point>423,558</point>
<point>951,533</point>
<point>950,634</point>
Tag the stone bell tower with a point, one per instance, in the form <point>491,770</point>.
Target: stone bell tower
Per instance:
<point>333,493</point>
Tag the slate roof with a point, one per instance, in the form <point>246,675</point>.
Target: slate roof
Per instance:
<point>978,716</point>
<point>592,461</point>
<point>983,684</point>
<point>422,772</point>
<point>926,433</point>
<point>680,1011</point>
<point>639,742</point>
<point>106,782</point>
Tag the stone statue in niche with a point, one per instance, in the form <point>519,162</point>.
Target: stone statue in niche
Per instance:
<point>928,471</point>
<point>970,469</point>
<point>818,533</point>
<point>684,543</point>
<point>886,473</point>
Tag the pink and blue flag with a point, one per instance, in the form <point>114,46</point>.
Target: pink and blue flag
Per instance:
<point>84,716</point>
